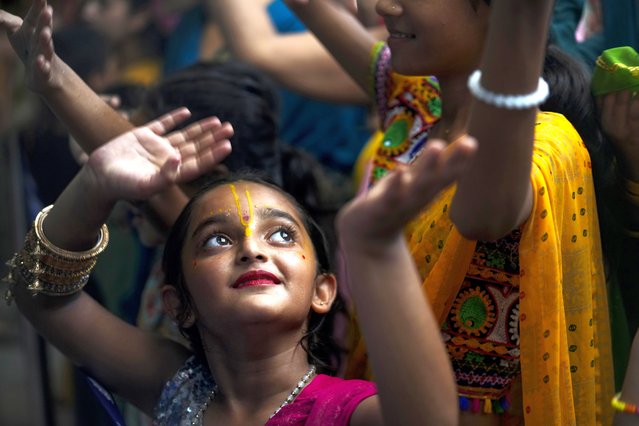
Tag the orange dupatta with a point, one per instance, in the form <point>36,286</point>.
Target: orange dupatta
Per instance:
<point>566,364</point>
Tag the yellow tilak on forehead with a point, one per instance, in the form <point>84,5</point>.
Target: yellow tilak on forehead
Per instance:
<point>246,223</point>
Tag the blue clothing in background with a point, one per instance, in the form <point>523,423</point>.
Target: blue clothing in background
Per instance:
<point>183,45</point>
<point>620,28</point>
<point>332,133</point>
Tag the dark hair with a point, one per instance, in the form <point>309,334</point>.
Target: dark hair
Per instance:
<point>234,92</point>
<point>321,348</point>
<point>244,96</point>
<point>571,95</point>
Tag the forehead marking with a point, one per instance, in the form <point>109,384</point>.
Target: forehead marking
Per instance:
<point>245,220</point>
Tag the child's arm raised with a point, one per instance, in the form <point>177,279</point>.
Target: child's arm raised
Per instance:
<point>296,60</point>
<point>89,119</point>
<point>494,195</point>
<point>342,35</point>
<point>134,166</point>
<point>410,364</point>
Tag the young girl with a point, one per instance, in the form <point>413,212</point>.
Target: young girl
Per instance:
<point>523,316</point>
<point>510,258</point>
<point>246,279</point>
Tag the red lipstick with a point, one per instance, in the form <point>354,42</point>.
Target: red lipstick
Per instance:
<point>254,278</point>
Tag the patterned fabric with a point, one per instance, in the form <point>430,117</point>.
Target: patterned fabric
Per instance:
<point>530,308</point>
<point>481,330</point>
<point>183,395</point>
<point>408,107</point>
<point>324,401</point>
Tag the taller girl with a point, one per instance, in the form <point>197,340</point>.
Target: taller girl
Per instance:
<point>510,258</point>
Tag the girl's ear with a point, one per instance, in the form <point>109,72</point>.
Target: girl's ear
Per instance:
<point>325,293</point>
<point>175,309</point>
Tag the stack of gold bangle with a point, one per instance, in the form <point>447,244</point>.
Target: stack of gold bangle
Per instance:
<point>50,270</point>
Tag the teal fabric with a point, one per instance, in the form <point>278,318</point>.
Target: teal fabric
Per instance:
<point>620,21</point>
<point>565,20</point>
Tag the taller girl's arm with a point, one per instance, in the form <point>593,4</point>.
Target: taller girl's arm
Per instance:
<point>410,364</point>
<point>342,35</point>
<point>494,196</point>
<point>297,60</point>
<point>127,360</point>
<point>90,120</point>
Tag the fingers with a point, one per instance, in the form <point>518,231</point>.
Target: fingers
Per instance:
<point>168,121</point>
<point>197,165</point>
<point>9,23</point>
<point>113,101</point>
<point>32,16</point>
<point>193,131</point>
<point>437,168</point>
<point>44,33</point>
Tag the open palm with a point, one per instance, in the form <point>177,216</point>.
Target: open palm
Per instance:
<point>32,41</point>
<point>380,215</point>
<point>146,160</point>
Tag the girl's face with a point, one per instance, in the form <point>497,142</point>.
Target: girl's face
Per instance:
<point>435,37</point>
<point>248,259</point>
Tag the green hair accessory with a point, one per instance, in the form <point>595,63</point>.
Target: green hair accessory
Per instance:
<point>617,69</point>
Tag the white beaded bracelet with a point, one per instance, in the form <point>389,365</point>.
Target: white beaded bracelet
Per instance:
<point>499,100</point>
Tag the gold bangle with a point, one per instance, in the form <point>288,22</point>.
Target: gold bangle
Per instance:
<point>49,270</point>
<point>37,285</point>
<point>99,247</point>
<point>625,407</point>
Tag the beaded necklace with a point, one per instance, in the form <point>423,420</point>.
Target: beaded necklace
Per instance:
<point>289,399</point>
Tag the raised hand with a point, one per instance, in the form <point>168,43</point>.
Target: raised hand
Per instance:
<point>32,41</point>
<point>619,113</point>
<point>146,160</point>
<point>378,217</point>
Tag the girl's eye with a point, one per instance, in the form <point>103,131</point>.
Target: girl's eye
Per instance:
<point>217,240</point>
<point>282,236</point>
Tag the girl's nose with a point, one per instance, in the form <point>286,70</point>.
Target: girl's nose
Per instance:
<point>251,250</point>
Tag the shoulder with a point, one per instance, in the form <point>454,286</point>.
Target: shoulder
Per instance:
<point>184,393</point>
<point>554,129</point>
<point>328,400</point>
<point>558,146</point>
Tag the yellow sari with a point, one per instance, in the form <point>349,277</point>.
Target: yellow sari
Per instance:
<point>566,365</point>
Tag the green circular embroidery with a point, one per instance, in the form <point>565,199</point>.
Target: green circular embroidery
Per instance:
<point>473,313</point>
<point>396,134</point>
<point>435,106</point>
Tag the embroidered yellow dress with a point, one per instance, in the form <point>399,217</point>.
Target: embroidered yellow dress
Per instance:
<point>528,311</point>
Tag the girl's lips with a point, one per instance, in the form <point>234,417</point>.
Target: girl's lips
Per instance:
<point>254,278</point>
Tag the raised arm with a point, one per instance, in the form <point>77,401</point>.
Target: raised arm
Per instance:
<point>414,378</point>
<point>133,166</point>
<point>494,196</point>
<point>341,34</point>
<point>296,60</point>
<point>89,119</point>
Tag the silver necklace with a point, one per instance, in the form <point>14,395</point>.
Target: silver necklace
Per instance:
<point>289,399</point>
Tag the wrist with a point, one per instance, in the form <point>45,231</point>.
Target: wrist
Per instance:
<point>94,189</point>
<point>375,247</point>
